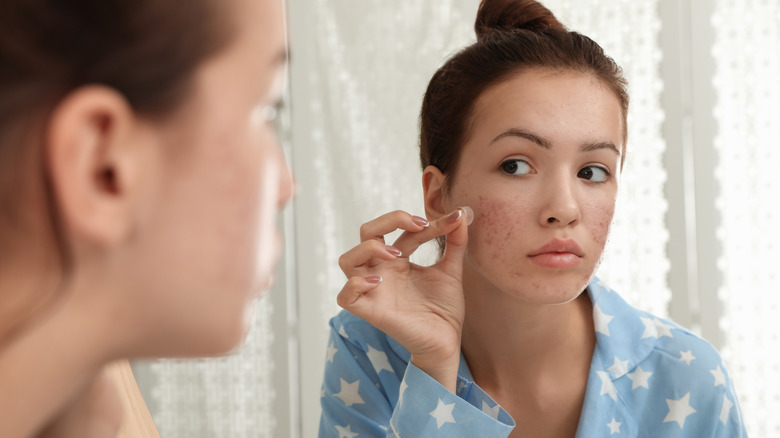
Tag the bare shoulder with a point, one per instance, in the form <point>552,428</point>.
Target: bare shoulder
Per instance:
<point>137,421</point>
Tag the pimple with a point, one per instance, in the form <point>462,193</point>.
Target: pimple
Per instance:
<point>535,285</point>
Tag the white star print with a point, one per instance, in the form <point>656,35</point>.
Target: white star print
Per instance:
<point>614,426</point>
<point>607,387</point>
<point>493,412</point>
<point>619,368</point>
<point>687,357</point>
<point>720,378</point>
<point>650,330</point>
<point>401,392</point>
<point>443,413</point>
<point>346,432</point>
<point>639,378</point>
<point>604,285</point>
<point>679,410</point>
<point>349,393</point>
<point>655,328</point>
<point>379,360</point>
<point>461,386</point>
<point>332,350</point>
<point>663,329</point>
<point>342,332</point>
<point>724,411</point>
<point>601,320</point>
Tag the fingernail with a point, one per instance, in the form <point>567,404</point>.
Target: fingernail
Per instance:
<point>454,216</point>
<point>375,279</point>
<point>393,250</point>
<point>469,214</point>
<point>421,221</point>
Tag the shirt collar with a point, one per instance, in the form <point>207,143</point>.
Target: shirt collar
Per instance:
<point>616,323</point>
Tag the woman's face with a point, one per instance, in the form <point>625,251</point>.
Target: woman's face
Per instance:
<point>210,240</point>
<point>540,170</point>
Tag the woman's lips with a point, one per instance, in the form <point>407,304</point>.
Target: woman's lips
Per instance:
<point>558,254</point>
<point>557,260</point>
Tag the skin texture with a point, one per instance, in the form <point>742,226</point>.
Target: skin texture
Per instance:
<point>515,310</point>
<point>172,226</point>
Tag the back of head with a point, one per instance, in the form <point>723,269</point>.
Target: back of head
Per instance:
<point>512,36</point>
<point>145,50</point>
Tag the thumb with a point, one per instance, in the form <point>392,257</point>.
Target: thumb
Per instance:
<point>456,243</point>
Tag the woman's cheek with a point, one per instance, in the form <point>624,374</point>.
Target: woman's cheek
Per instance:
<point>497,228</point>
<point>599,226</point>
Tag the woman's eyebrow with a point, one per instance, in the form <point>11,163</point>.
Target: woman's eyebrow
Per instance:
<point>546,144</point>
<point>522,133</point>
<point>600,145</point>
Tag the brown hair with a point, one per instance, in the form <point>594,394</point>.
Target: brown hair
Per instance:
<point>147,50</point>
<point>512,35</point>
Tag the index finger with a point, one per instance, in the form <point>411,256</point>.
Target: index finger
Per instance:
<point>409,241</point>
<point>389,222</point>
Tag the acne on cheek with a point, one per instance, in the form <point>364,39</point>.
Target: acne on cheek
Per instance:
<point>494,226</point>
<point>602,219</point>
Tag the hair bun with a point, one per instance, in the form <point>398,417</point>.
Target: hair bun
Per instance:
<point>507,15</point>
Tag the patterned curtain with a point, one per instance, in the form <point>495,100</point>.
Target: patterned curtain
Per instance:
<point>747,82</point>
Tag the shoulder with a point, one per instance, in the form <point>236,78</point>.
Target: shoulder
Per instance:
<point>628,337</point>
<point>685,362</point>
<point>627,331</point>
<point>668,376</point>
<point>682,345</point>
<point>690,384</point>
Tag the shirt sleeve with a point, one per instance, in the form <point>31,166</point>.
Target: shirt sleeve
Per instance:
<point>691,395</point>
<point>365,398</point>
<point>427,409</point>
<point>725,409</point>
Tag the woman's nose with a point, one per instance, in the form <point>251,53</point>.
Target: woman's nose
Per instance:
<point>560,205</point>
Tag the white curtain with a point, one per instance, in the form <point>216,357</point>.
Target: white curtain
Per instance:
<point>747,81</point>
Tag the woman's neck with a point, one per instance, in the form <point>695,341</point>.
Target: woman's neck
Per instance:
<point>509,343</point>
<point>51,361</point>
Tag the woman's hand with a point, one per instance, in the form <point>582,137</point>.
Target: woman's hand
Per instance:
<point>420,307</point>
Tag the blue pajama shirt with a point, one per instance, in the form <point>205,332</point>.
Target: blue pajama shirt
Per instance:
<point>648,377</point>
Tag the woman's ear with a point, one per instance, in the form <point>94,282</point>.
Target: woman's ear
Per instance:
<point>91,162</point>
<point>433,191</point>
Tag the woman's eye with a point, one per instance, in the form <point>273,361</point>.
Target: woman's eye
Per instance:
<point>266,113</point>
<point>594,174</point>
<point>515,167</point>
<point>271,112</point>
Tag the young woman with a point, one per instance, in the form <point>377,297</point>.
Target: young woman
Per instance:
<point>523,138</point>
<point>140,178</point>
